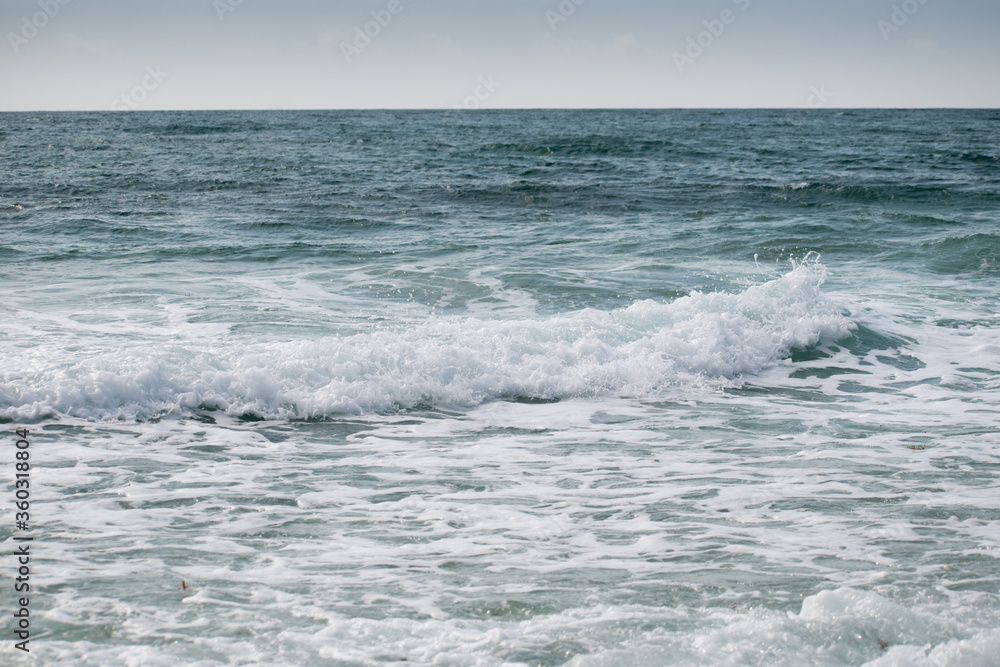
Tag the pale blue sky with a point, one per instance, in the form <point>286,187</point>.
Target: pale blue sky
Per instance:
<point>212,54</point>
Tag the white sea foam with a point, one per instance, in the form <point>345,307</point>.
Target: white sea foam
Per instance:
<point>837,628</point>
<point>704,339</point>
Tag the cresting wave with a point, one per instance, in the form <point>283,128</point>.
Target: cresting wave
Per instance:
<point>698,340</point>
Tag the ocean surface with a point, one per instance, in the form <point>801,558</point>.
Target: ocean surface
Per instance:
<point>504,388</point>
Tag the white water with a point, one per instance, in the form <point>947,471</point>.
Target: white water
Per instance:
<point>695,497</point>
<point>702,339</point>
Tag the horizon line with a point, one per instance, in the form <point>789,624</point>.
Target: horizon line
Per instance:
<point>495,109</point>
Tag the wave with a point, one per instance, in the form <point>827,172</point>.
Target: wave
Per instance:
<point>870,193</point>
<point>703,339</point>
<point>977,254</point>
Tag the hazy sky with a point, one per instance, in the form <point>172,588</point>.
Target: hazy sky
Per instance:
<point>277,54</point>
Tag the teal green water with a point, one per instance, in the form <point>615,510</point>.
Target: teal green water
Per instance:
<point>541,388</point>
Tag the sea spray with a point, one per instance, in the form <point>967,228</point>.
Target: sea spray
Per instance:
<point>703,339</point>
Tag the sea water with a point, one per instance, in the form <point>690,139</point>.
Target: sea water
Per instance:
<point>526,388</point>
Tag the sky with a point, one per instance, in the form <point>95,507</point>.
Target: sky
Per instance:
<point>442,54</point>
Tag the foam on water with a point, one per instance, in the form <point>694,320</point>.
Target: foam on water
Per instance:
<point>720,528</point>
<point>713,339</point>
<point>797,472</point>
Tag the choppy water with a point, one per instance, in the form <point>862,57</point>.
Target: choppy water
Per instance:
<point>541,388</point>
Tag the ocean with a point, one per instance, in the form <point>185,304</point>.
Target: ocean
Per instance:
<point>682,387</point>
